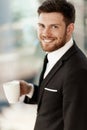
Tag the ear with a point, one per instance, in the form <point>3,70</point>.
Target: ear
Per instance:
<point>70,28</point>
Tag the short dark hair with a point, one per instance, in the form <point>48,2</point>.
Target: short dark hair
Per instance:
<point>61,6</point>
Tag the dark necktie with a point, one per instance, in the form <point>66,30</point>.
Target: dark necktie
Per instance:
<point>43,70</point>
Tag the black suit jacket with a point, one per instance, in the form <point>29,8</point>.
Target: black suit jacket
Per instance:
<point>62,95</point>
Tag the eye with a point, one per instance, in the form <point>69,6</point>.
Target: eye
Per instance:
<point>41,26</point>
<point>54,27</point>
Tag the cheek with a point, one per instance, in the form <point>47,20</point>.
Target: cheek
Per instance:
<point>57,34</point>
<point>61,35</point>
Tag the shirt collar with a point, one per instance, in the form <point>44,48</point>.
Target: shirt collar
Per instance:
<point>54,56</point>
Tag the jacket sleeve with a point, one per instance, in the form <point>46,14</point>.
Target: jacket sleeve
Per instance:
<point>34,98</point>
<point>75,101</point>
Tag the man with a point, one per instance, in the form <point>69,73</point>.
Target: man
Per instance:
<point>62,92</point>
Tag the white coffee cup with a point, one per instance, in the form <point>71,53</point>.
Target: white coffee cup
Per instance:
<point>12,91</point>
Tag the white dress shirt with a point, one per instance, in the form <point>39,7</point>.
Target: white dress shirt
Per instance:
<point>53,57</point>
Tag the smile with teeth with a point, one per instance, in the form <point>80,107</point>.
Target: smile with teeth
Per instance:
<point>48,40</point>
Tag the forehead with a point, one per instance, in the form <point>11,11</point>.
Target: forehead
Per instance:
<point>51,18</point>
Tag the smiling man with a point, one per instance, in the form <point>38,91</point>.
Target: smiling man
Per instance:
<point>53,31</point>
<point>62,91</point>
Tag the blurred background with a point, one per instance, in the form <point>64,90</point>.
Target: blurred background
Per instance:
<point>21,56</point>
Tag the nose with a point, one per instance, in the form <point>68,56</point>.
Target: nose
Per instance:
<point>46,31</point>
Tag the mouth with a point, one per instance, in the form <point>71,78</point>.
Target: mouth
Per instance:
<point>48,40</point>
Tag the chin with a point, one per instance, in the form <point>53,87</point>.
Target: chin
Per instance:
<point>48,50</point>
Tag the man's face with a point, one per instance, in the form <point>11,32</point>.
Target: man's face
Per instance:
<point>52,31</point>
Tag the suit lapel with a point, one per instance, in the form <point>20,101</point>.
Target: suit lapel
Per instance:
<point>51,73</point>
<point>55,69</point>
<point>46,81</point>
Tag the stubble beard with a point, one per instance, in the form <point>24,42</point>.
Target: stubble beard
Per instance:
<point>54,47</point>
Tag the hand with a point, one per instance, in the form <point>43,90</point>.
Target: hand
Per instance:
<point>25,88</point>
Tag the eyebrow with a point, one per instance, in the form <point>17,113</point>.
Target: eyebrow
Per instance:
<point>50,24</point>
